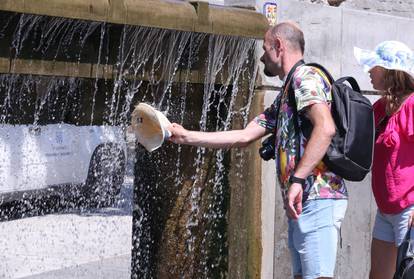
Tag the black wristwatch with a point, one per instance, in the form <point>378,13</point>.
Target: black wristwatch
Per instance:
<point>294,179</point>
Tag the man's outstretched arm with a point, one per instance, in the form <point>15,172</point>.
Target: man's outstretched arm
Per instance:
<point>222,139</point>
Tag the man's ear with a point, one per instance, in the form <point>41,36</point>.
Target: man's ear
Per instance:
<point>279,46</point>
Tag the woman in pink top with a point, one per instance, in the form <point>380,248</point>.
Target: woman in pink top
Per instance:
<point>391,69</point>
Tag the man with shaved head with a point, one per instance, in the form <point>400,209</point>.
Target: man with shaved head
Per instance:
<point>315,198</point>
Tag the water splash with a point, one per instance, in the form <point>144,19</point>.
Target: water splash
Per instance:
<point>158,67</point>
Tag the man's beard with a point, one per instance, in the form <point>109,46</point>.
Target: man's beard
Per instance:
<point>268,73</point>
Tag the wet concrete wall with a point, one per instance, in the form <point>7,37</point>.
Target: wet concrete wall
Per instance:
<point>197,220</point>
<point>196,210</point>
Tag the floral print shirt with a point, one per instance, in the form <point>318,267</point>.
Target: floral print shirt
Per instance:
<point>310,87</point>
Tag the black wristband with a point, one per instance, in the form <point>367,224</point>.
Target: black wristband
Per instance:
<point>294,179</point>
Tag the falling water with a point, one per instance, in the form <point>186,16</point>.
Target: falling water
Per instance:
<point>203,82</point>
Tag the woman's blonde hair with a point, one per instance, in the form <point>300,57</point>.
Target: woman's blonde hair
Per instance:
<point>398,86</point>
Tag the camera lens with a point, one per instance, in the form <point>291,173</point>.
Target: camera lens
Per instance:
<point>267,151</point>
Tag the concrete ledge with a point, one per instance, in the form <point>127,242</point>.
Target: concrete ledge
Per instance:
<point>50,68</point>
<point>177,15</point>
<point>4,65</point>
<point>102,71</point>
<point>246,23</point>
<point>156,13</point>
<point>78,9</point>
<point>86,70</point>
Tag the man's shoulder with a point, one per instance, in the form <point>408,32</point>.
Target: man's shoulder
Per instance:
<point>307,71</point>
<point>310,77</point>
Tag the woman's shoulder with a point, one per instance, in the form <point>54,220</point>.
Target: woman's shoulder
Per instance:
<point>409,102</point>
<point>407,107</point>
<point>405,117</point>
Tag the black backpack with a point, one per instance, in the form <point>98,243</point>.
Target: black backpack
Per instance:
<point>351,150</point>
<point>405,259</point>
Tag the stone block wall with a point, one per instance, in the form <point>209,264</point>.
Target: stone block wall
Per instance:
<point>240,3</point>
<point>398,8</point>
<point>391,7</point>
<point>402,8</point>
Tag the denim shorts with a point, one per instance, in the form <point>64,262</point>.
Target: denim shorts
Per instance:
<point>313,238</point>
<point>392,227</point>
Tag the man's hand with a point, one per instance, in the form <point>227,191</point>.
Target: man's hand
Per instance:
<point>410,219</point>
<point>178,133</point>
<point>294,201</point>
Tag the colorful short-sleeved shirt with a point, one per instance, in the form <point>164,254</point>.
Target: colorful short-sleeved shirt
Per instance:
<point>310,88</point>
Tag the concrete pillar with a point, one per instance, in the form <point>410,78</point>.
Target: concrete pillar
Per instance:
<point>245,224</point>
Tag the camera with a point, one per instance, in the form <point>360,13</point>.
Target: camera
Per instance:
<point>267,151</point>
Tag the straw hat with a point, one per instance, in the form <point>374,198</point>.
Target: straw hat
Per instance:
<point>391,55</point>
<point>149,126</point>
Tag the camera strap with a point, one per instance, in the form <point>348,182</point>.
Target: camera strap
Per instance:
<point>287,89</point>
<point>291,72</point>
<point>292,104</point>
<point>286,86</point>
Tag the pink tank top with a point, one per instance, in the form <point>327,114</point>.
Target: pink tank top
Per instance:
<point>393,166</point>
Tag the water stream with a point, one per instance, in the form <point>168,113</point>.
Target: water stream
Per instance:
<point>78,126</point>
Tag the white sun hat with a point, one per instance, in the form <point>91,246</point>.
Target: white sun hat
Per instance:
<point>150,126</point>
<point>391,55</point>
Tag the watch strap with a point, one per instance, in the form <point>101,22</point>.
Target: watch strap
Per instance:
<point>295,179</point>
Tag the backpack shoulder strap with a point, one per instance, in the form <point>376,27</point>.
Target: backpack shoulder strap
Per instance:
<point>351,81</point>
<point>306,126</point>
<point>325,71</point>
